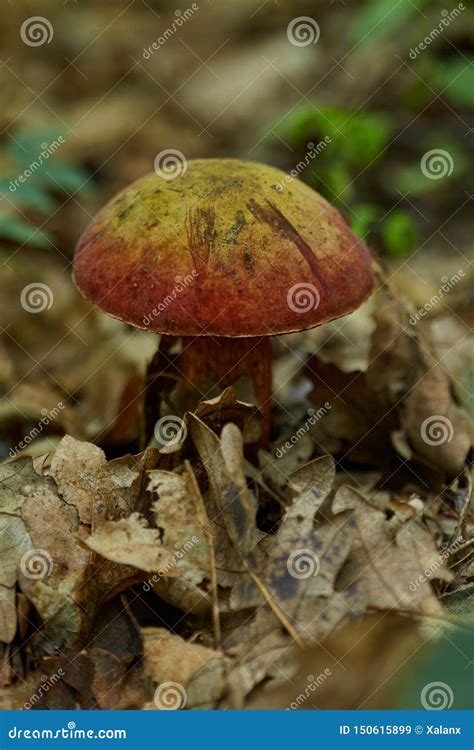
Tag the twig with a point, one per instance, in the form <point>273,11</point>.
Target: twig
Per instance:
<point>273,606</point>
<point>212,557</point>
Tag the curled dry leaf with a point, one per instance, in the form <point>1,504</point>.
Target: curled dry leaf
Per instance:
<point>390,565</point>
<point>216,412</point>
<point>302,562</point>
<point>176,550</point>
<point>17,480</point>
<point>357,667</point>
<point>130,541</point>
<point>405,398</point>
<point>45,523</point>
<point>181,517</point>
<point>232,501</point>
<point>169,657</point>
<point>435,426</point>
<point>276,467</point>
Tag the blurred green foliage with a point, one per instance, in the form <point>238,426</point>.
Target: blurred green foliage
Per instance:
<point>34,184</point>
<point>371,167</point>
<point>385,18</point>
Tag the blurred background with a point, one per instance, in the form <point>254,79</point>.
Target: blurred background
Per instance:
<point>368,101</point>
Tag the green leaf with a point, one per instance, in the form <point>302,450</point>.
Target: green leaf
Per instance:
<point>448,160</point>
<point>379,19</point>
<point>400,233</point>
<point>66,176</point>
<point>15,229</point>
<point>363,218</point>
<point>366,136</point>
<point>454,78</point>
<point>30,195</point>
<point>334,182</point>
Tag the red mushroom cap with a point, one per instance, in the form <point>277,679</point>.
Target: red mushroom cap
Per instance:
<point>224,247</point>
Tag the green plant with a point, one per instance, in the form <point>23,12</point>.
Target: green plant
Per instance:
<point>35,179</point>
<point>374,167</point>
<point>362,159</point>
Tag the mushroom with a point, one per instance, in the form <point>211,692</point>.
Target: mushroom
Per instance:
<point>223,253</point>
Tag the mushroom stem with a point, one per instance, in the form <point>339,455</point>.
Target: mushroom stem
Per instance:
<point>207,362</point>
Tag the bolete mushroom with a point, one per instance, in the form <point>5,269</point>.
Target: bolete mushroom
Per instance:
<point>224,253</point>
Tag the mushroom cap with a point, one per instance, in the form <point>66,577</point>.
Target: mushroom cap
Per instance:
<point>222,247</point>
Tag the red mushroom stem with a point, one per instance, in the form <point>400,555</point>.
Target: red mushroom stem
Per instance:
<point>207,362</point>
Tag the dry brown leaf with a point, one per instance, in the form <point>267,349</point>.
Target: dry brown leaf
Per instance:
<point>232,500</point>
<point>18,481</point>
<point>45,524</point>
<point>169,657</point>
<point>130,541</point>
<point>389,565</point>
<point>357,667</point>
<point>405,399</point>
<point>180,516</point>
